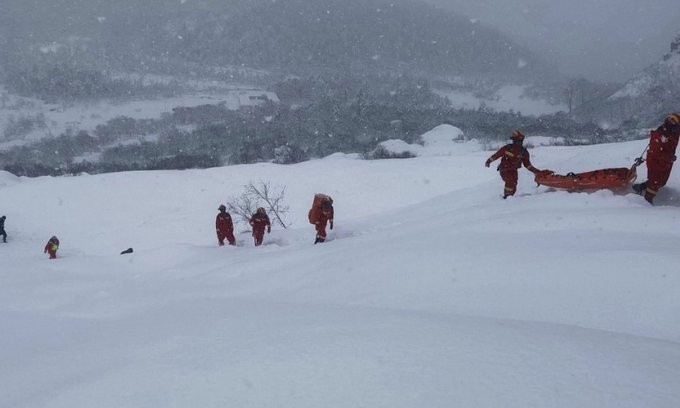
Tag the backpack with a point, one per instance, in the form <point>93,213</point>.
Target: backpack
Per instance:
<point>315,212</point>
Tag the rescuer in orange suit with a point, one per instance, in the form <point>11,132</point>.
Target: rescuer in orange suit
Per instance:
<point>224,226</point>
<point>512,156</point>
<point>660,157</point>
<point>324,217</point>
<point>260,221</point>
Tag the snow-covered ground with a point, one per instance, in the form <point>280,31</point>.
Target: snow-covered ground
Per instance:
<point>432,291</point>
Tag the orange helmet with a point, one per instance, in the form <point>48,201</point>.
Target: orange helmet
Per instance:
<point>517,136</point>
<point>673,119</point>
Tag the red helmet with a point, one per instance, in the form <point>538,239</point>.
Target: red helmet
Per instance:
<point>673,119</point>
<point>517,136</point>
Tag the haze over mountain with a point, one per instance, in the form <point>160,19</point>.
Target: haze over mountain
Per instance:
<point>643,100</point>
<point>293,36</point>
<point>604,40</point>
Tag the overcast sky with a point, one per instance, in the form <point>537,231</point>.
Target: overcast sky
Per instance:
<point>599,39</point>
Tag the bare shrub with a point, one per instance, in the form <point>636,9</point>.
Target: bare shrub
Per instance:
<point>260,194</point>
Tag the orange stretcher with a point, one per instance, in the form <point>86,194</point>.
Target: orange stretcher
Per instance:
<point>612,179</point>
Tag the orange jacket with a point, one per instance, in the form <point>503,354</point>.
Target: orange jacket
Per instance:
<point>223,223</point>
<point>259,221</point>
<point>513,156</point>
<point>321,214</point>
<point>662,144</point>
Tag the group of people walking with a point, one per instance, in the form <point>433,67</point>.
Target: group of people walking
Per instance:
<point>320,215</point>
<point>224,226</point>
<point>660,157</point>
<point>51,247</point>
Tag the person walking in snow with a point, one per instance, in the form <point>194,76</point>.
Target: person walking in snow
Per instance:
<point>224,226</point>
<point>260,221</point>
<point>324,217</point>
<point>52,246</point>
<point>512,156</point>
<point>660,157</point>
<point>2,228</point>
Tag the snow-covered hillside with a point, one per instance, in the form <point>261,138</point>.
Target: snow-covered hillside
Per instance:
<point>646,98</point>
<point>506,99</point>
<point>432,291</point>
<point>54,119</point>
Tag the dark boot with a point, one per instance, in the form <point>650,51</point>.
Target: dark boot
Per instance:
<point>640,188</point>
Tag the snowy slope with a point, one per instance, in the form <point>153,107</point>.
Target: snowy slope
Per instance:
<point>509,98</point>
<point>659,75</point>
<point>432,292</point>
<point>646,98</point>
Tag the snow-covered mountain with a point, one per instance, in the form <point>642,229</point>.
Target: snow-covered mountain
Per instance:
<point>605,40</point>
<point>646,98</point>
<point>432,291</point>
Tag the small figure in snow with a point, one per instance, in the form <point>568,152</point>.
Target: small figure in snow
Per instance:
<point>260,221</point>
<point>325,217</point>
<point>512,156</point>
<point>320,215</point>
<point>660,157</point>
<point>2,228</point>
<point>51,247</point>
<point>224,226</point>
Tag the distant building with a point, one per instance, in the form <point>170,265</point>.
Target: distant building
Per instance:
<point>256,97</point>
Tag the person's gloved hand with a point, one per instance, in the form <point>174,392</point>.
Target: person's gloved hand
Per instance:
<point>487,163</point>
<point>269,229</point>
<point>331,224</point>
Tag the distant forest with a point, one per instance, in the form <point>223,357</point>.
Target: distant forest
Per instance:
<point>316,116</point>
